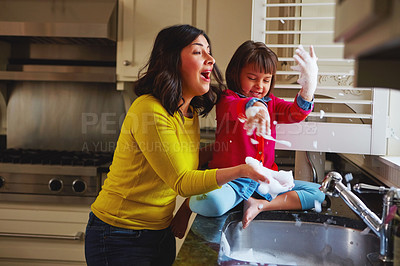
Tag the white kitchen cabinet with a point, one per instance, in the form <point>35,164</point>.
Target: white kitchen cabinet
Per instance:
<point>371,33</point>
<point>42,234</point>
<point>226,22</point>
<point>139,21</point>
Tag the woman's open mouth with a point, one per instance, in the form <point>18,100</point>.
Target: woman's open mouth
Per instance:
<point>206,75</point>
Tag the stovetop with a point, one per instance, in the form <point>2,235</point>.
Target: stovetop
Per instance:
<point>35,175</point>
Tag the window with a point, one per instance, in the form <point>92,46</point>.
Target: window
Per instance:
<point>344,119</point>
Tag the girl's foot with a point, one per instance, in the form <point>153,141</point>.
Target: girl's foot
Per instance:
<point>251,208</point>
<point>181,219</point>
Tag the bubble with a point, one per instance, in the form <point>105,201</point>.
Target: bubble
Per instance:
<point>317,206</point>
<point>253,141</point>
<point>321,114</point>
<point>315,144</point>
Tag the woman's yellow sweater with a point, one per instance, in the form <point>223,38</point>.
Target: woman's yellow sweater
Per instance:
<point>156,158</point>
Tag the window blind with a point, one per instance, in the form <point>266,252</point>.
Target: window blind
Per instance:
<point>345,119</point>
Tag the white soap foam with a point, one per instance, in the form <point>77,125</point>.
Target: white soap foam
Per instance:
<point>272,257</point>
<point>317,206</point>
<point>315,144</point>
<point>365,231</point>
<point>263,188</point>
<point>253,141</point>
<point>283,142</point>
<point>224,245</point>
<point>348,177</point>
<point>321,114</point>
<point>279,181</point>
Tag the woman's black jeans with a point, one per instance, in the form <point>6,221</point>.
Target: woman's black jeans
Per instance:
<point>110,245</point>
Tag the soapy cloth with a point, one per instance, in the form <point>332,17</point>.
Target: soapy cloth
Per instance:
<point>279,181</point>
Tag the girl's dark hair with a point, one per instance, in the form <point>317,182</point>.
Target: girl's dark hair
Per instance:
<point>251,52</point>
<point>161,75</point>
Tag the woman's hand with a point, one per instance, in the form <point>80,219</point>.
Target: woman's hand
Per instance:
<point>225,175</point>
<point>258,119</point>
<point>254,172</point>
<point>308,68</point>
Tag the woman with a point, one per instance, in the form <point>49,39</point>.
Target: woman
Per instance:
<point>157,155</point>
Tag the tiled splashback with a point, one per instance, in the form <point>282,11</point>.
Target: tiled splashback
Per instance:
<point>384,170</point>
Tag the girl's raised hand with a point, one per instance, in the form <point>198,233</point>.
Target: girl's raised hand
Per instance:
<point>308,68</point>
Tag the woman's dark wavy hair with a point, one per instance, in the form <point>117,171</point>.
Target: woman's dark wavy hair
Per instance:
<point>161,76</point>
<point>251,52</point>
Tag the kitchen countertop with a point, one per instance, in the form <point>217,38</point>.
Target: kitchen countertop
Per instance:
<point>201,245</point>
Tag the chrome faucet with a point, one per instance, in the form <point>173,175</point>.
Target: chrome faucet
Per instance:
<point>332,186</point>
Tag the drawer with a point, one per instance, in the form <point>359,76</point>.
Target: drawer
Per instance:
<point>42,234</point>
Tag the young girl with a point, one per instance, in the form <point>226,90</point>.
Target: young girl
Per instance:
<point>250,77</point>
<point>157,155</point>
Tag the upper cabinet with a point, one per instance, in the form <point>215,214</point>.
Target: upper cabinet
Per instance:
<point>139,21</point>
<point>226,22</point>
<point>369,29</point>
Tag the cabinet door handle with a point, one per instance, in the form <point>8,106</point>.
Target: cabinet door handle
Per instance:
<point>126,63</point>
<point>77,237</point>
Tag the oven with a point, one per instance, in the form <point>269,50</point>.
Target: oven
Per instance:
<point>61,111</point>
<point>40,175</point>
<point>60,139</point>
<point>60,118</point>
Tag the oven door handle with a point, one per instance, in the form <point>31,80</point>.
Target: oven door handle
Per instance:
<point>77,237</point>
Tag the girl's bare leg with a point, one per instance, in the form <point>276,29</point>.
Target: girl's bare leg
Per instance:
<point>181,219</point>
<point>252,207</point>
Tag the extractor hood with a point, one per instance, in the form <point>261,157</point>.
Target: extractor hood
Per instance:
<point>59,18</point>
<point>58,40</point>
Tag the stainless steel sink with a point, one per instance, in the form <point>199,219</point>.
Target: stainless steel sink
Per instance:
<point>290,238</point>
